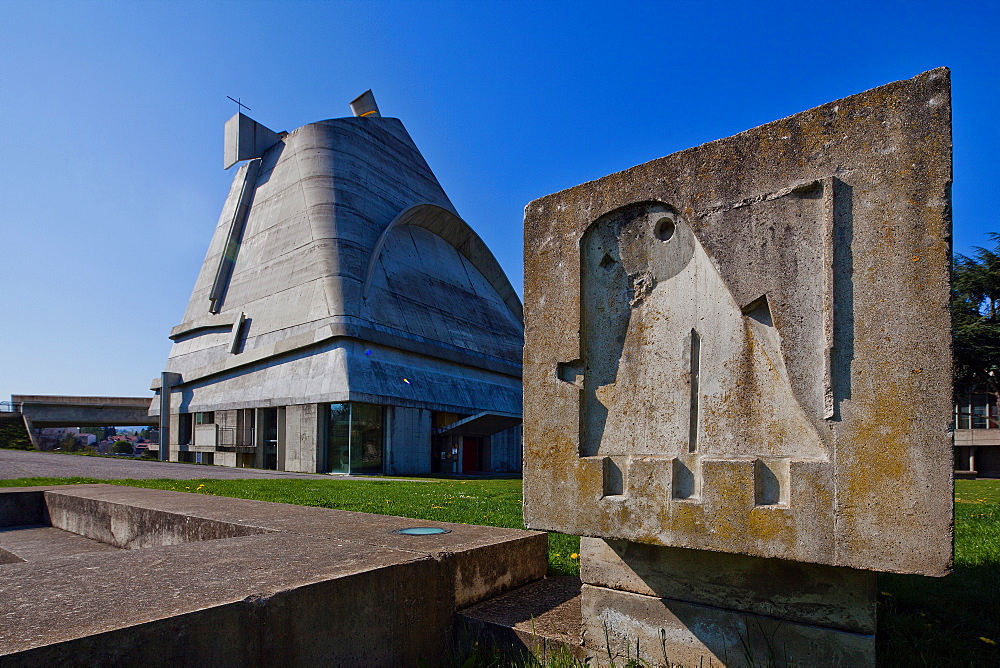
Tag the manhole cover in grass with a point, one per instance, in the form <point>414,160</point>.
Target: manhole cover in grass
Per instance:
<point>422,531</point>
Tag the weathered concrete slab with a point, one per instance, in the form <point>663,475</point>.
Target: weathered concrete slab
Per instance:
<point>39,542</point>
<point>744,347</point>
<point>317,601</point>
<point>540,618</point>
<point>842,598</point>
<point>670,632</point>
<point>478,558</point>
<point>227,582</point>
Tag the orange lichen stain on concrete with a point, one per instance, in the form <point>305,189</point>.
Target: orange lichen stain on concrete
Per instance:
<point>685,518</point>
<point>731,488</point>
<point>881,457</point>
<point>774,526</point>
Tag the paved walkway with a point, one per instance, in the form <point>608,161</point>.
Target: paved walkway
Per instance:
<point>29,464</point>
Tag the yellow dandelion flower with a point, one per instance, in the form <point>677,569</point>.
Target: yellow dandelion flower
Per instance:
<point>988,641</point>
<point>574,556</point>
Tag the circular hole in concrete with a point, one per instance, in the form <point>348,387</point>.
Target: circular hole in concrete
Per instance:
<point>664,228</point>
<point>422,531</point>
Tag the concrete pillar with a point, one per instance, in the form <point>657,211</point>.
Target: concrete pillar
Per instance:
<point>304,438</point>
<point>258,439</point>
<point>167,381</point>
<point>29,427</point>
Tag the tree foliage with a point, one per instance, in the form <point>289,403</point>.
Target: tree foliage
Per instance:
<point>70,443</point>
<point>14,435</point>
<point>975,312</point>
<point>123,447</point>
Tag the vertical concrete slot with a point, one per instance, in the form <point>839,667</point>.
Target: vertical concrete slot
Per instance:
<point>695,391</point>
<point>770,478</point>
<point>614,477</point>
<point>683,483</point>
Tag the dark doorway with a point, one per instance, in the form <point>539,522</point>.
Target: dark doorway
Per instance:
<point>471,460</point>
<point>268,418</point>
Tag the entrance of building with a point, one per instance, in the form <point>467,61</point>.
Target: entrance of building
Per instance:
<point>268,448</point>
<point>472,454</point>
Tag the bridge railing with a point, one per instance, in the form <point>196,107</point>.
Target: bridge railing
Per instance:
<point>10,406</point>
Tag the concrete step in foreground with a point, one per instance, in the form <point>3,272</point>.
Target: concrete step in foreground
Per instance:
<point>541,618</point>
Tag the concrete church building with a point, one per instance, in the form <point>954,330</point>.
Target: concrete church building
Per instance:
<point>345,319</point>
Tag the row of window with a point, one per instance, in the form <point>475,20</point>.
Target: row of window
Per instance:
<point>976,411</point>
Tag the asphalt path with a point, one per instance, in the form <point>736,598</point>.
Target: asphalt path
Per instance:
<point>30,464</point>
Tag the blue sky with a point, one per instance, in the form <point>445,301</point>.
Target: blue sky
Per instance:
<point>112,113</point>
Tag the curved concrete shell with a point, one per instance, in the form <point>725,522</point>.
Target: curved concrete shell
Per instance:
<point>340,272</point>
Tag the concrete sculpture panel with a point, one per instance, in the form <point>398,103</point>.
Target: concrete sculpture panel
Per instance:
<point>744,347</point>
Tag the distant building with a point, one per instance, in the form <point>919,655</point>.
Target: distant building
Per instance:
<point>345,318</point>
<point>50,438</point>
<point>977,435</point>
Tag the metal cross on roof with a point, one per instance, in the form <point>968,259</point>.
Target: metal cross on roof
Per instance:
<point>240,104</point>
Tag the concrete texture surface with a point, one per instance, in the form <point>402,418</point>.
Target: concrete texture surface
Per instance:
<point>665,630</point>
<point>271,585</point>
<point>339,271</point>
<point>830,596</point>
<point>39,542</point>
<point>744,347</point>
<point>40,411</point>
<point>539,618</point>
<point>352,271</point>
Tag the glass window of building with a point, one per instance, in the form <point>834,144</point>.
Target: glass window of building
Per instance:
<point>338,439</point>
<point>355,438</point>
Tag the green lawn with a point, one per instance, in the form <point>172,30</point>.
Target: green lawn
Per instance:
<point>955,620</point>
<point>951,621</point>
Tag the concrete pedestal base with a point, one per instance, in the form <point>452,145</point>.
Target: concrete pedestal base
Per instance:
<point>671,605</point>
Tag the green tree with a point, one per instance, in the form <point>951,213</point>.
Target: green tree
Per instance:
<point>122,447</point>
<point>13,434</point>
<point>975,313</point>
<point>69,443</point>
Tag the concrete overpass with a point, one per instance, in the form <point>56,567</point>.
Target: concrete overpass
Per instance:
<point>41,411</point>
